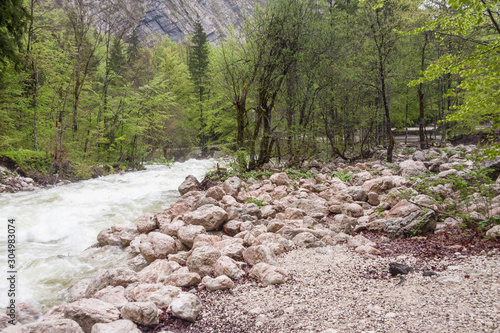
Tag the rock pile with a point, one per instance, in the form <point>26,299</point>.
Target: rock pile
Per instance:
<point>210,239</point>
<point>11,182</point>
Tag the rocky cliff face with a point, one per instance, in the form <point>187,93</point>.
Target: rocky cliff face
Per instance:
<point>176,18</point>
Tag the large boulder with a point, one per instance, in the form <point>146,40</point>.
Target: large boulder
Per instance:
<point>416,223</point>
<point>232,186</point>
<point>202,260</point>
<point>209,216</point>
<point>144,313</point>
<point>119,326</point>
<point>186,306</point>
<point>188,185</point>
<point>88,311</point>
<point>157,246</point>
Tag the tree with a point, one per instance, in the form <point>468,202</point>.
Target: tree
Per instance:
<point>198,64</point>
<point>13,23</point>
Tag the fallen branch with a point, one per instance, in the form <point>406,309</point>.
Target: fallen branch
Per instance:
<point>429,207</point>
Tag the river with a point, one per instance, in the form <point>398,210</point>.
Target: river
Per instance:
<point>54,226</point>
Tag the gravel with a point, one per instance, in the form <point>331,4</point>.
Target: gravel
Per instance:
<point>342,291</point>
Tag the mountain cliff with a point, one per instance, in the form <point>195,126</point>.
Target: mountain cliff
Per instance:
<point>176,18</point>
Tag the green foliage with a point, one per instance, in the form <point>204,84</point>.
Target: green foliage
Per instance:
<point>29,160</point>
<point>298,174</point>
<point>344,175</point>
<point>258,202</point>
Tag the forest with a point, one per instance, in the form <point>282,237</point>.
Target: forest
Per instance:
<point>299,79</point>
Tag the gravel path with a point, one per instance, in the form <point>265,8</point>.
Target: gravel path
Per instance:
<point>342,291</point>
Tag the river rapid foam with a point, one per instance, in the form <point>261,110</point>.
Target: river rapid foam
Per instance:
<point>54,226</point>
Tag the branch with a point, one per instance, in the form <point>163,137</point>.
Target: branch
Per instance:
<point>429,207</point>
<point>461,37</point>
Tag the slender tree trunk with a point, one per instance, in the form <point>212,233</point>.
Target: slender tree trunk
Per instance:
<point>406,119</point>
<point>35,105</point>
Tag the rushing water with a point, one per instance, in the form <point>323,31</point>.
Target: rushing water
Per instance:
<point>54,226</point>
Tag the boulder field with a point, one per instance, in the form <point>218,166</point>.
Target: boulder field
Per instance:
<point>236,230</point>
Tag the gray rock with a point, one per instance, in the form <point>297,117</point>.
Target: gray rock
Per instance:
<point>416,223</point>
<point>357,193</point>
<point>280,179</point>
<point>307,240</point>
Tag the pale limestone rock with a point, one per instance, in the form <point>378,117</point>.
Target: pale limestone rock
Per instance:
<point>186,306</point>
<point>215,192</point>
<point>121,276</point>
<point>144,313</point>
<point>232,186</point>
<point>182,279</point>
<point>202,260</point>
<point>227,266</point>
<point>87,312</point>
<point>188,233</point>
<point>119,326</point>
<point>257,254</point>
<point>189,184</point>
<point>280,179</point>
<point>268,274</point>
<point>146,223</point>
<point>112,295</point>
<point>209,216</point>
<point>157,270</point>
<point>219,283</point>
<point>157,246</point>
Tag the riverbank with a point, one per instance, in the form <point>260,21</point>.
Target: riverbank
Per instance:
<point>306,252</point>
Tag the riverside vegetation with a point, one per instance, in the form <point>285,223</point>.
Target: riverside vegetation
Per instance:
<point>296,80</point>
<point>237,234</point>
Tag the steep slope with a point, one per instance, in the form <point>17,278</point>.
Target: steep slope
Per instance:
<point>175,18</point>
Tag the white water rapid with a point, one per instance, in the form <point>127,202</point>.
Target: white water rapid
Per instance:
<point>54,226</point>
